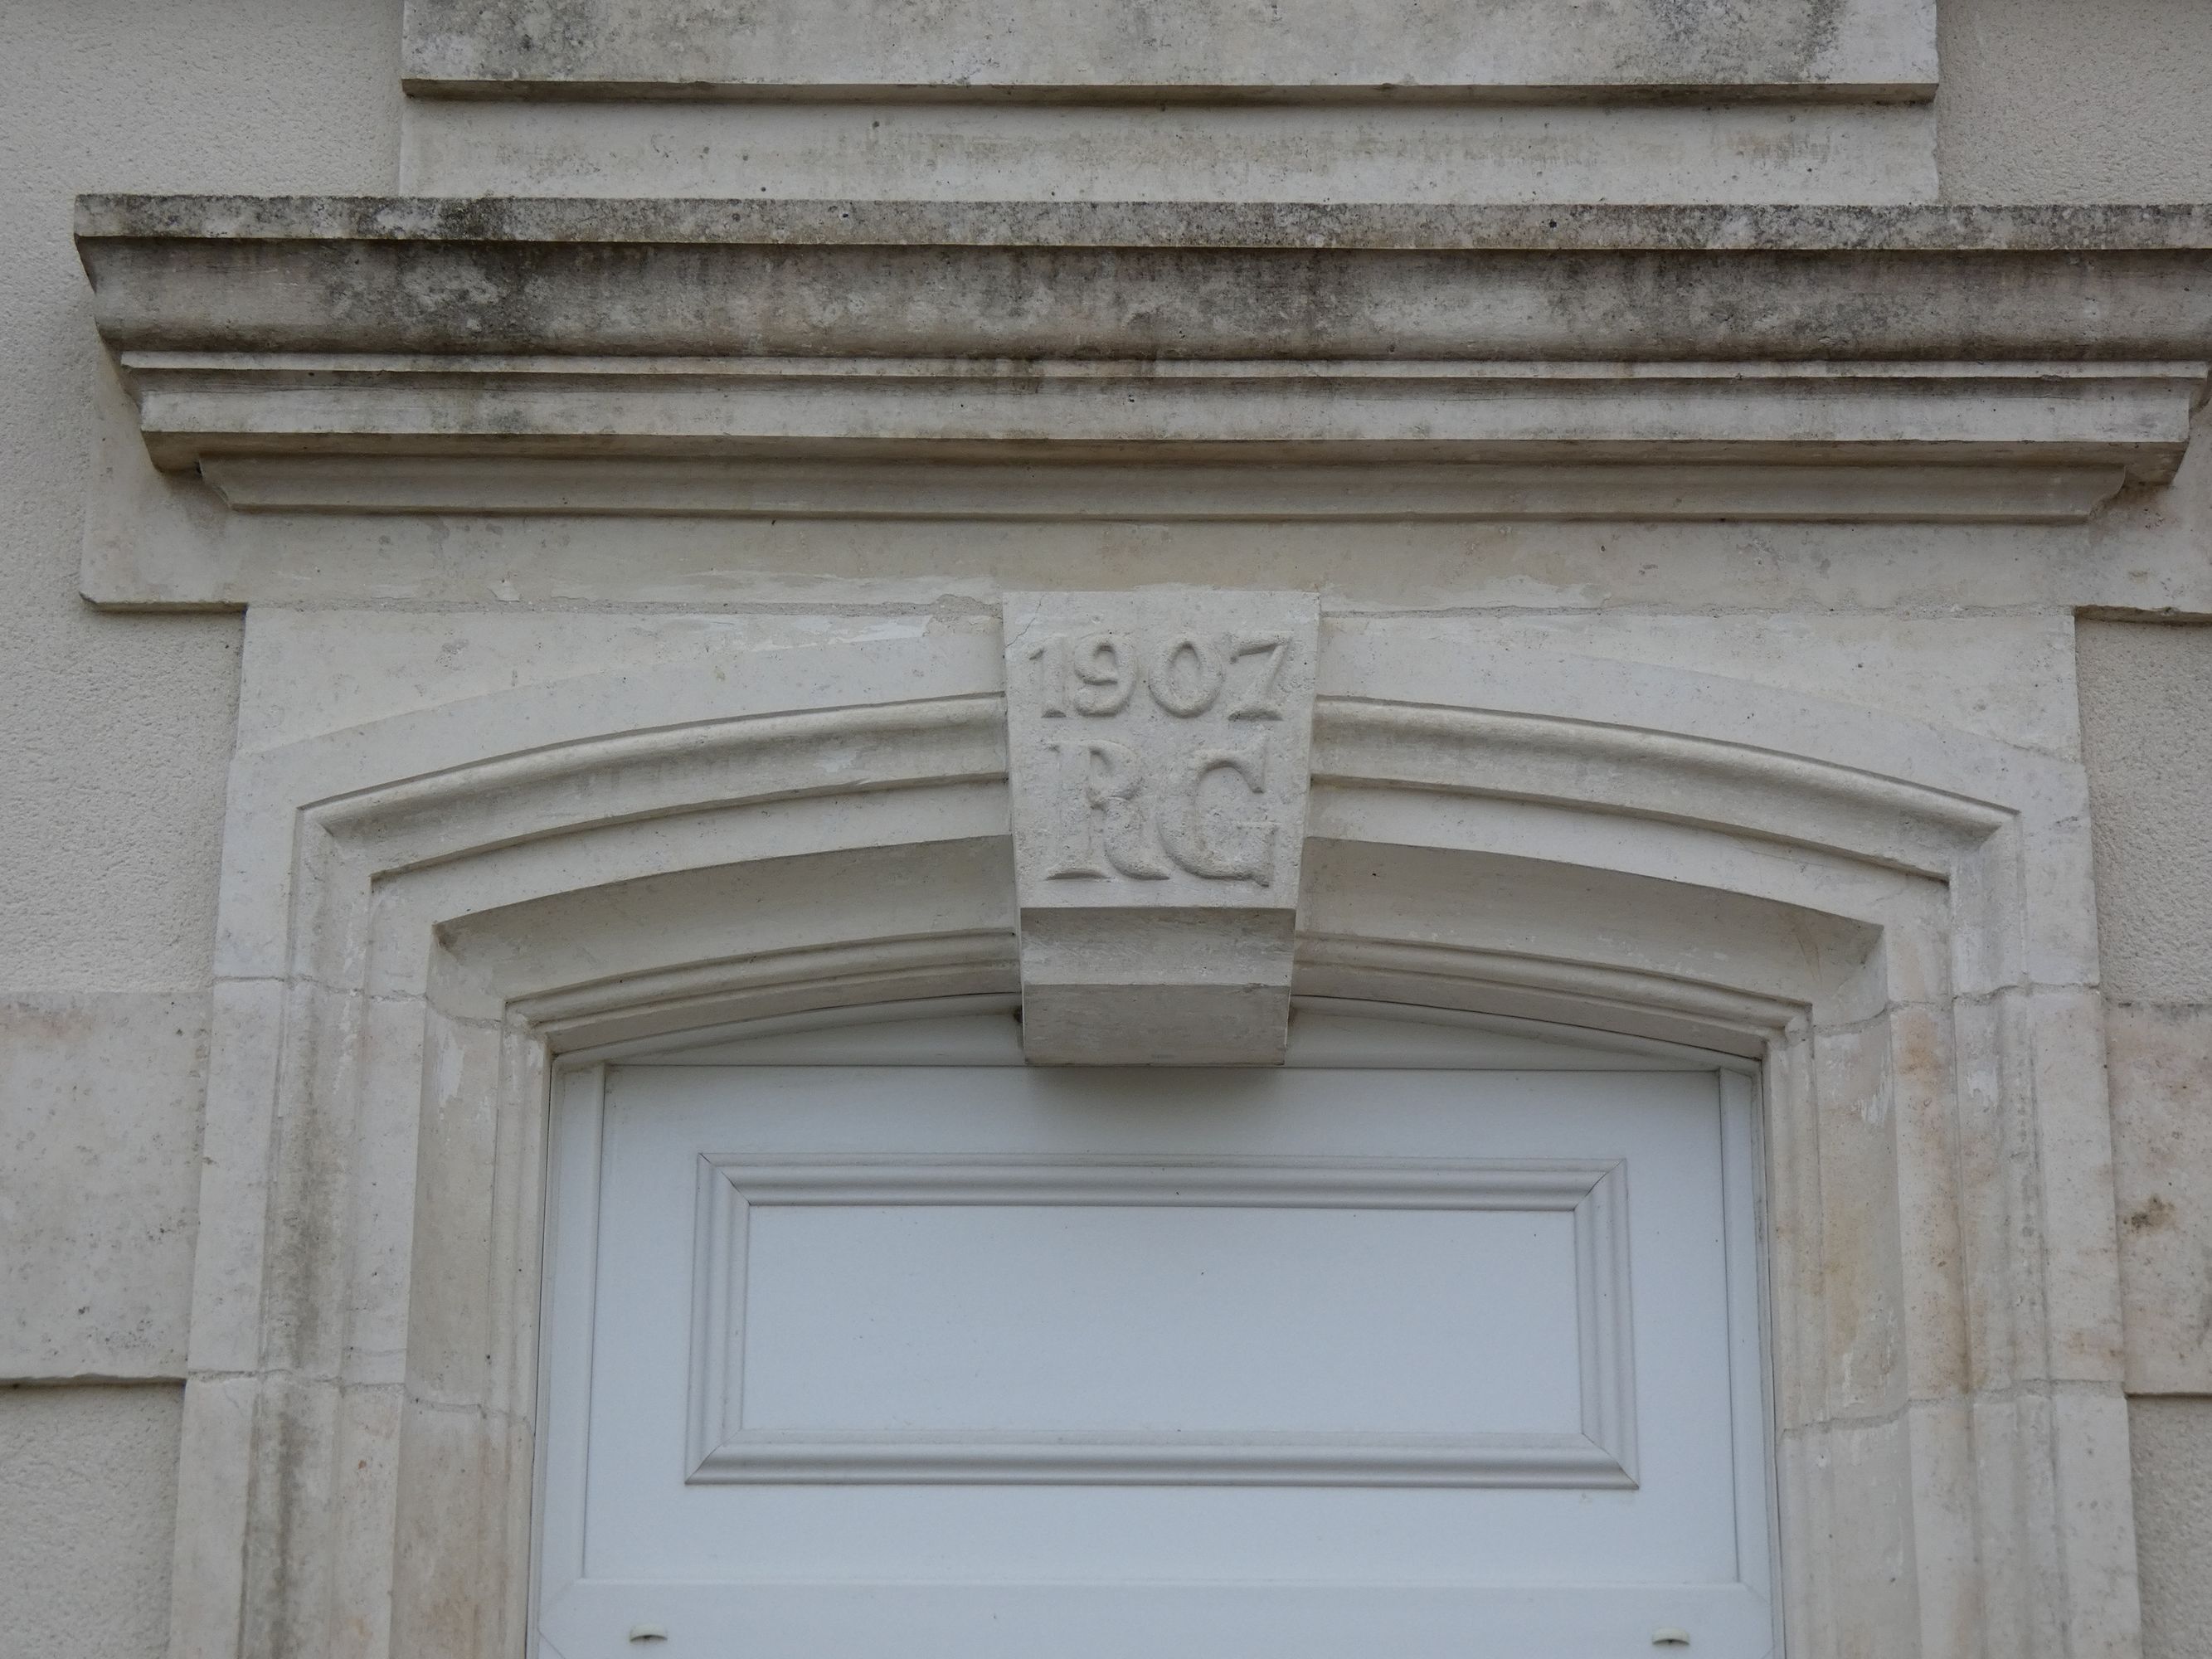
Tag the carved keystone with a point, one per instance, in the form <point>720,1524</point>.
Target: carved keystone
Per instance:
<point>1159,750</point>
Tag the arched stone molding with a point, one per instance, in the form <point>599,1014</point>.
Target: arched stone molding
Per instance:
<point>420,915</point>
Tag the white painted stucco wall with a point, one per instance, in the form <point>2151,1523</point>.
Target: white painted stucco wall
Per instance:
<point>117,730</point>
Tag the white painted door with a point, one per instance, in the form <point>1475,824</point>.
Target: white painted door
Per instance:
<point>870,1341</point>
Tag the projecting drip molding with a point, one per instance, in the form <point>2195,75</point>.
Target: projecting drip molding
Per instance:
<point>1185,361</point>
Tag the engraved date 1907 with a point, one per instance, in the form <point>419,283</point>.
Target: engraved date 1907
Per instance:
<point>1186,675</point>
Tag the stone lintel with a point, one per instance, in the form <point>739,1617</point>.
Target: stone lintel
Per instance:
<point>1158,754</point>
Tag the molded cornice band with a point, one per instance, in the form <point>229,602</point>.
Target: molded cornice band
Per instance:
<point>897,359</point>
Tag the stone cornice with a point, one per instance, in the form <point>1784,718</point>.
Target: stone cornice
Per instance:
<point>1979,362</point>
<point>1534,227</point>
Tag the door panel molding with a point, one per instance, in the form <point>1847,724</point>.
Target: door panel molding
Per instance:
<point>1594,1193</point>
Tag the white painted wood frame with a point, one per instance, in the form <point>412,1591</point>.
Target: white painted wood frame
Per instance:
<point>1693,1551</point>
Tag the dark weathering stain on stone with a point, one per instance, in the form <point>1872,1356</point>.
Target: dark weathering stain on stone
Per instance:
<point>1669,47</point>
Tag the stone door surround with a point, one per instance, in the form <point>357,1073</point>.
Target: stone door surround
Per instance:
<point>424,914</point>
<point>420,917</point>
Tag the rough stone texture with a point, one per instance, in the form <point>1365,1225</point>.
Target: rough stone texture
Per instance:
<point>88,1495</point>
<point>112,750</point>
<point>2147,728</point>
<point>2074,101</point>
<point>1551,228</point>
<point>118,728</point>
<point>2160,1055</point>
<point>2147,737</point>
<point>1456,290</point>
<point>2171,1443</point>
<point>100,1170</point>
<point>1369,47</point>
<point>111,755</point>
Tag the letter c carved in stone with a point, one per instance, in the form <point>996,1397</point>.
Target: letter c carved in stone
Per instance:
<point>1187,829</point>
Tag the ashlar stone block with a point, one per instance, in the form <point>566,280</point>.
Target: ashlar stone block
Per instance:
<point>1374,49</point>
<point>1159,750</point>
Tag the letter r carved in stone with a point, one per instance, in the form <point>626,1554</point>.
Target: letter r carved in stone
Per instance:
<point>1157,761</point>
<point>1105,810</point>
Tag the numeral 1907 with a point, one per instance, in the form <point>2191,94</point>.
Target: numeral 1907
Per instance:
<point>1098,674</point>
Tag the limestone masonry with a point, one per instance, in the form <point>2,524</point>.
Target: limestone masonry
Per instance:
<point>543,535</point>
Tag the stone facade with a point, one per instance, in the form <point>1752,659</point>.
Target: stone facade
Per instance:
<point>1772,622</point>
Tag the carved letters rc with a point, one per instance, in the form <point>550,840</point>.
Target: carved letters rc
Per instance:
<point>1117,816</point>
